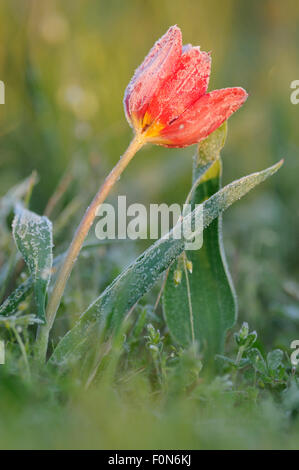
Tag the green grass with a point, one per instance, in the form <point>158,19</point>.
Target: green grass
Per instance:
<point>130,410</point>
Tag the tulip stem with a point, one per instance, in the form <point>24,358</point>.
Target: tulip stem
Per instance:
<point>77,242</point>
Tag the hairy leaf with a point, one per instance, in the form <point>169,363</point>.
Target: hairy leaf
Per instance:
<point>257,360</point>
<point>274,359</point>
<point>33,237</point>
<point>10,304</point>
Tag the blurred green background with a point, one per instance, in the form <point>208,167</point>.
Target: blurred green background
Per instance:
<point>66,64</point>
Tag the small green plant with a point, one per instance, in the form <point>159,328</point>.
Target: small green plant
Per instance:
<point>270,371</point>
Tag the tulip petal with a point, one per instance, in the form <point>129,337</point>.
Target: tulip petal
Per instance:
<point>184,87</point>
<point>159,64</point>
<point>202,118</point>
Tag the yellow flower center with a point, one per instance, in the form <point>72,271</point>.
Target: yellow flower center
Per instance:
<point>151,128</point>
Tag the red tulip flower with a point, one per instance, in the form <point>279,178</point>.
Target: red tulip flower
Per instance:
<point>167,102</point>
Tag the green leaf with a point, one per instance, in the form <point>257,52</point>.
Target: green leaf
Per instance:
<point>257,360</point>
<point>274,359</point>
<point>10,304</point>
<point>33,237</point>
<point>202,307</point>
<point>108,311</point>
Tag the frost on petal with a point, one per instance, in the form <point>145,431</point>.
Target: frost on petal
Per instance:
<point>158,65</point>
<point>184,87</point>
<point>202,118</point>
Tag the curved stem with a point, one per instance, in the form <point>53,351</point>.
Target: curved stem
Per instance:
<point>78,240</point>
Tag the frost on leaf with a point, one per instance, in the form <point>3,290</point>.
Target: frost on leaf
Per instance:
<point>33,237</point>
